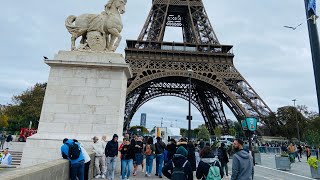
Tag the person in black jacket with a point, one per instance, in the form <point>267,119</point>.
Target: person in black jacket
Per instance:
<point>111,152</point>
<point>138,149</point>
<point>223,157</point>
<point>178,160</point>
<point>128,155</point>
<point>191,152</point>
<point>171,148</point>
<point>192,155</point>
<point>207,159</point>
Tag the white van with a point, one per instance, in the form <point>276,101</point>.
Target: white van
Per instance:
<point>227,139</point>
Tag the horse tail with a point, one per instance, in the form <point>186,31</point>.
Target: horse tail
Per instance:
<point>70,26</point>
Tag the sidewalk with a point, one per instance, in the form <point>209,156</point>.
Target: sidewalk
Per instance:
<point>140,175</point>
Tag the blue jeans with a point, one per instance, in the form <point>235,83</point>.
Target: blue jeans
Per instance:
<point>159,164</point>
<point>126,163</point>
<point>111,166</point>
<point>149,163</point>
<point>77,170</point>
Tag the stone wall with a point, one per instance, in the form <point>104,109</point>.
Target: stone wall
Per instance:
<point>58,169</point>
<point>85,97</point>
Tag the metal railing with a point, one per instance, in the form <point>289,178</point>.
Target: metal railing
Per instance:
<point>277,150</point>
<point>270,150</point>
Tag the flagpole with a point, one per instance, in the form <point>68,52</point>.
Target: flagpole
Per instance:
<point>315,46</point>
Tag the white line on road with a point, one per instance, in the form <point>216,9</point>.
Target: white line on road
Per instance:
<point>284,172</point>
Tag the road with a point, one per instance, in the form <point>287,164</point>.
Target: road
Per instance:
<point>266,171</point>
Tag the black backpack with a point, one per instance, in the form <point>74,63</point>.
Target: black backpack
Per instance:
<point>74,151</point>
<point>178,172</point>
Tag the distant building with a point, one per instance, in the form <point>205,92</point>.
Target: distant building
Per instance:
<point>165,133</point>
<point>143,120</point>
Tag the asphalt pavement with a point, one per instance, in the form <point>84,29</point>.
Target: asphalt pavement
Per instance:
<point>266,171</point>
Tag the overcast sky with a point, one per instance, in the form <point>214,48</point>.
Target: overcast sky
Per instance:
<point>275,61</point>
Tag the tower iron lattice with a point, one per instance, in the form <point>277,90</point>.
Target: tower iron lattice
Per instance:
<point>161,68</point>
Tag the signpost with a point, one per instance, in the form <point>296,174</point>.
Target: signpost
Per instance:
<point>249,125</point>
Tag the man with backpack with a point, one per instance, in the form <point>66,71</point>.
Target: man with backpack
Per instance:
<point>242,163</point>
<point>71,150</point>
<point>209,167</point>
<point>160,147</point>
<point>179,166</point>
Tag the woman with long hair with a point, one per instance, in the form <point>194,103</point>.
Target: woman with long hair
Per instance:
<point>207,160</point>
<point>149,152</point>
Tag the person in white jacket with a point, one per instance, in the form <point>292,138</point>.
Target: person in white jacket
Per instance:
<point>99,160</point>
<point>87,161</point>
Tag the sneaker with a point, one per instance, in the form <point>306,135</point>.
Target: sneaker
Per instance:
<point>156,174</point>
<point>160,176</point>
<point>142,170</point>
<point>146,175</point>
<point>98,176</point>
<point>103,176</point>
<point>149,175</point>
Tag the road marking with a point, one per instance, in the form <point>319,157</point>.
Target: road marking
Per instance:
<point>284,172</point>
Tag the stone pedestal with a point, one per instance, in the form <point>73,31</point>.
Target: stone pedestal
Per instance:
<point>85,97</point>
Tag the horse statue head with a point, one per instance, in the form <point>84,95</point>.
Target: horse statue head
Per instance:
<point>120,5</point>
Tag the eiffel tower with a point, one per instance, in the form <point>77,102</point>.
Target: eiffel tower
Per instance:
<point>161,68</point>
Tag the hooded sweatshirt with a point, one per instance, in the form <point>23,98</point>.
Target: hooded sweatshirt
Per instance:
<point>98,148</point>
<point>178,160</point>
<point>65,152</point>
<point>204,166</point>
<point>112,147</point>
<point>242,166</point>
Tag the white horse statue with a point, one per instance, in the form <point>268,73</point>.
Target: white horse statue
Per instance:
<point>99,32</point>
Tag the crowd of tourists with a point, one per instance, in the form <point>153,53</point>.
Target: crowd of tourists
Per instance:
<point>180,160</point>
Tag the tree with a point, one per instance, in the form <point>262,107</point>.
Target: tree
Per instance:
<point>218,131</point>
<point>3,118</point>
<point>232,132</point>
<point>203,133</point>
<point>26,107</point>
<point>312,135</point>
<point>3,121</point>
<point>288,117</point>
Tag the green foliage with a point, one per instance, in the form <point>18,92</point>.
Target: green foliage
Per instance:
<point>284,154</point>
<point>3,121</point>
<point>232,131</point>
<point>312,161</point>
<point>26,107</point>
<point>203,133</point>
<point>312,137</point>
<point>288,116</point>
<point>218,131</point>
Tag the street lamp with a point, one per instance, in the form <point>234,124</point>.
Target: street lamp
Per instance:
<point>315,46</point>
<point>189,117</point>
<point>294,104</point>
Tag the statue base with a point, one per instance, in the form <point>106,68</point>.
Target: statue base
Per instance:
<point>85,97</point>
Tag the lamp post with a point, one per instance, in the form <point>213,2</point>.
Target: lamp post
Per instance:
<point>315,47</point>
<point>294,104</point>
<point>189,117</point>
